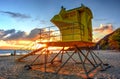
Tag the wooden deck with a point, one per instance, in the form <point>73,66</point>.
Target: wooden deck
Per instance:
<point>68,44</point>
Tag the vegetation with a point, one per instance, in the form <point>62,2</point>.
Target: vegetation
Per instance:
<point>111,41</point>
<point>114,40</point>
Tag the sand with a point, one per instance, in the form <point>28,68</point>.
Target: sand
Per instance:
<point>112,58</point>
<point>10,69</point>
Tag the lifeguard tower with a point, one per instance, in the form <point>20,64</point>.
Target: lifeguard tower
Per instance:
<point>75,32</point>
<point>74,24</point>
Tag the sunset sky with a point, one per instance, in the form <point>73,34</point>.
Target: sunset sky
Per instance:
<point>21,19</point>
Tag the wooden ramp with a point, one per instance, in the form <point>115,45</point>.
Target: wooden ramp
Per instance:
<point>69,44</point>
<point>31,53</point>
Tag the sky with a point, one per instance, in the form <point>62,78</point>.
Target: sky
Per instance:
<point>20,19</point>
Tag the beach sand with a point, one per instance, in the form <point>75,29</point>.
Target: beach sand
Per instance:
<point>10,69</point>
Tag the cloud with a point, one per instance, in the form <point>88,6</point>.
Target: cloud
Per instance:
<point>101,31</point>
<point>33,34</point>
<point>39,21</point>
<point>42,22</point>
<point>108,28</point>
<point>4,33</point>
<point>13,34</point>
<point>100,19</point>
<point>16,36</point>
<point>16,15</point>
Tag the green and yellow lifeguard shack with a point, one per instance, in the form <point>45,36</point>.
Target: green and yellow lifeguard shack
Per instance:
<point>74,24</point>
<point>75,28</point>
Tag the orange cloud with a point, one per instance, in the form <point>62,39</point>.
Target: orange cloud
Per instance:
<point>12,39</point>
<point>104,28</point>
<point>15,44</point>
<point>101,31</point>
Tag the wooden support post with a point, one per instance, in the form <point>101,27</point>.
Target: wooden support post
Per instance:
<point>83,65</point>
<point>37,57</point>
<point>93,58</point>
<point>71,57</point>
<point>65,62</point>
<point>99,60</point>
<point>85,56</point>
<point>62,55</point>
<point>56,56</point>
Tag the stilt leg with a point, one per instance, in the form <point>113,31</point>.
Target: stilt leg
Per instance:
<point>65,62</point>
<point>56,56</point>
